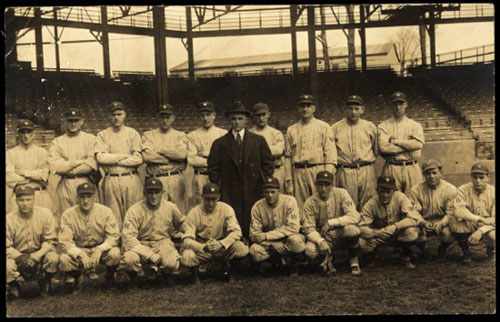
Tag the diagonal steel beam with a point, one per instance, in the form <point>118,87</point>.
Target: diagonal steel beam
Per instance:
<point>229,10</point>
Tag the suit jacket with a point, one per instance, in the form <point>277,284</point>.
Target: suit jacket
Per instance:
<point>240,180</point>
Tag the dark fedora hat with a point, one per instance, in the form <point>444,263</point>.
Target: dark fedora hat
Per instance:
<point>237,108</point>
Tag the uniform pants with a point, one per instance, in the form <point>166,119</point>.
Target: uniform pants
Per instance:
<point>406,176</point>
<point>131,261</point>
<point>408,235</point>
<point>468,227</point>
<point>120,193</point>
<point>304,185</point>
<point>42,199</point>
<point>174,188</point>
<point>110,257</point>
<point>295,244</point>
<point>66,194</point>
<point>49,264</point>
<point>192,258</point>
<point>359,182</point>
<point>199,181</point>
<point>339,238</point>
<point>279,173</point>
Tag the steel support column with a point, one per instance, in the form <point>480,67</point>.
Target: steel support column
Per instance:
<point>432,39</point>
<point>423,43</point>
<point>38,39</point>
<point>189,38</point>
<point>312,52</point>
<point>105,42</point>
<point>10,37</point>
<point>293,21</point>
<point>160,53</point>
<point>56,44</point>
<point>362,36</point>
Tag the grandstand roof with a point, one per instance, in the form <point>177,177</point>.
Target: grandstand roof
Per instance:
<point>377,55</point>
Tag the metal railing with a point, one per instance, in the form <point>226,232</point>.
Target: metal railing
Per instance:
<point>485,53</point>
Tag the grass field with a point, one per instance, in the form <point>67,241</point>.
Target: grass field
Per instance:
<point>387,288</point>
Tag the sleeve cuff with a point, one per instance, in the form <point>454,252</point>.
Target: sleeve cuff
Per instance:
<point>335,222</point>
<point>104,247</point>
<point>74,252</point>
<point>226,243</point>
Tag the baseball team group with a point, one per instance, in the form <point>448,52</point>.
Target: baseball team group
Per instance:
<point>256,193</point>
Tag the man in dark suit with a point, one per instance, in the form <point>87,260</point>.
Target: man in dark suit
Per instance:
<point>238,162</point>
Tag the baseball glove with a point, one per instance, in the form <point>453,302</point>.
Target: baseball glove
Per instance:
<point>26,266</point>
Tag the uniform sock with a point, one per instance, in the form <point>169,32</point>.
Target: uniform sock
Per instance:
<point>462,241</point>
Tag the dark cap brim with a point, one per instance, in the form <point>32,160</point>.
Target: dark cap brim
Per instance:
<point>211,195</point>
<point>386,186</point>
<point>206,109</point>
<point>480,172</point>
<point>306,101</point>
<point>325,181</point>
<point>398,100</point>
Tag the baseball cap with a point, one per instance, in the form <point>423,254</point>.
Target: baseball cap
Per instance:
<point>260,107</point>
<point>307,98</point>
<point>23,189</point>
<point>324,176</point>
<point>480,168</point>
<point>354,99</point>
<point>73,114</point>
<point>24,124</point>
<point>271,182</point>
<point>398,96</point>
<point>153,184</point>
<point>85,188</point>
<point>211,190</point>
<point>431,164</point>
<point>166,109</point>
<point>116,106</point>
<point>386,182</point>
<point>206,106</point>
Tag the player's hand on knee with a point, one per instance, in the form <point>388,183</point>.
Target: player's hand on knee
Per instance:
<point>279,248</point>
<point>215,247</point>
<point>324,248</point>
<point>324,229</point>
<point>259,238</point>
<point>155,259</point>
<point>475,237</point>
<point>429,226</point>
<point>95,258</point>
<point>85,260</point>
<point>487,220</point>
<point>438,227</point>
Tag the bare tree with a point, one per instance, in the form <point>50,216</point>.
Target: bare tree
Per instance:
<point>406,45</point>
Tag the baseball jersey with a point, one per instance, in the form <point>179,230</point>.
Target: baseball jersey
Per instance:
<point>276,223</point>
<point>125,141</point>
<point>200,140</point>
<point>66,148</point>
<point>439,203</point>
<point>311,143</point>
<point>317,212</point>
<point>355,143</point>
<point>478,205</point>
<point>33,160</point>
<point>399,211</point>
<point>28,235</point>
<point>405,129</point>
<point>144,224</point>
<point>275,140</point>
<point>95,229</point>
<point>155,140</point>
<point>220,225</point>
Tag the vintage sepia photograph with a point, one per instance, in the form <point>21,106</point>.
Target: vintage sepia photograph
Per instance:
<point>249,160</point>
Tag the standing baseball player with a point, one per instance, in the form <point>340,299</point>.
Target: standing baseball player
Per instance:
<point>147,232</point>
<point>356,143</point>
<point>476,221</point>
<point>30,243</point>
<point>330,223</point>
<point>388,218</point>
<point>309,149</point>
<point>274,138</point>
<point>71,156</point>
<point>118,151</point>
<point>275,226</point>
<point>212,233</point>
<point>164,150</point>
<point>199,144</point>
<point>401,140</point>
<point>436,200</point>
<point>89,236</point>
<point>27,164</point>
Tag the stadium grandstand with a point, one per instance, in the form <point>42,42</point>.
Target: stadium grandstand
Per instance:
<point>452,97</point>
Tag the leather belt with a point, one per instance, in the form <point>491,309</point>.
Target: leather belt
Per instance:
<point>166,174</point>
<point>200,171</point>
<point>306,165</point>
<point>121,174</point>
<point>357,166</point>
<point>74,176</point>
<point>403,163</point>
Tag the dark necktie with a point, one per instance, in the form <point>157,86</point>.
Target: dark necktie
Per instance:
<point>239,145</point>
